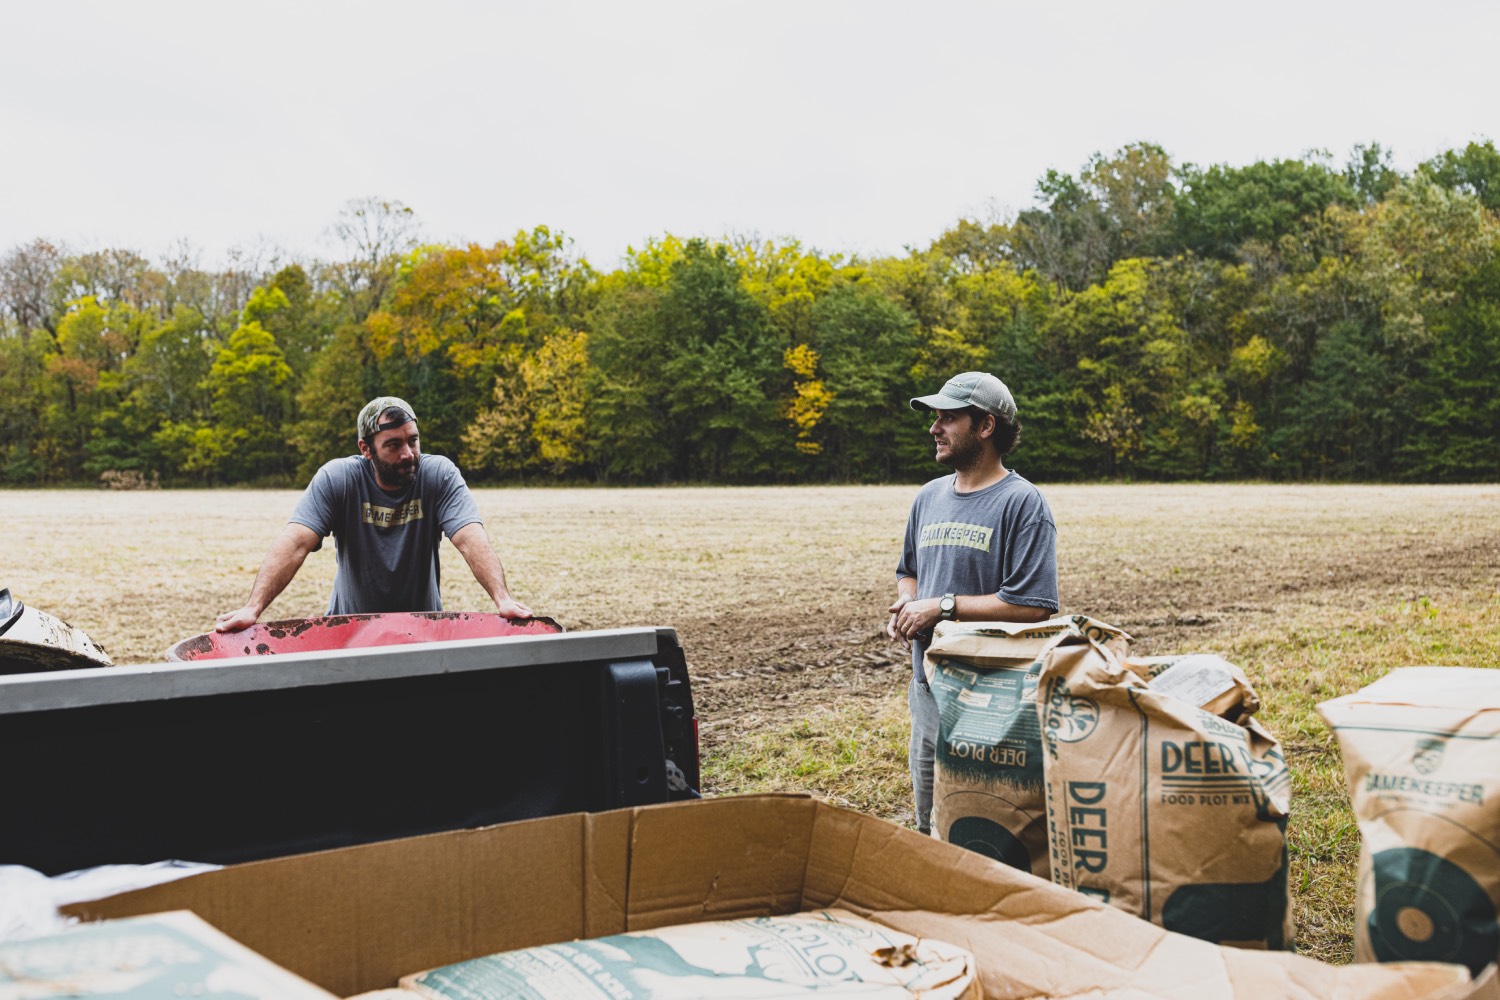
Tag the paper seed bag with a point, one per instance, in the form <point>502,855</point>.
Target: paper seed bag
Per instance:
<point>1159,807</point>
<point>1422,753</point>
<point>825,953</point>
<point>1208,681</point>
<point>987,782</point>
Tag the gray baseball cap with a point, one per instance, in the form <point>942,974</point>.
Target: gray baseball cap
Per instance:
<point>369,423</point>
<point>979,389</point>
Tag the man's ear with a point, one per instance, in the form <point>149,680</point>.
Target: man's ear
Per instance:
<point>364,447</point>
<point>988,426</point>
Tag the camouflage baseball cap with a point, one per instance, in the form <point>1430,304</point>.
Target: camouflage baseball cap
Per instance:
<point>369,423</point>
<point>979,389</point>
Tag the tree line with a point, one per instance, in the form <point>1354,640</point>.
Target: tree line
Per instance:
<point>1291,319</point>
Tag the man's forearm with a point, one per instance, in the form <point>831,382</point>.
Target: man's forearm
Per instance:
<point>989,608</point>
<point>914,619</point>
<point>484,563</point>
<point>281,564</point>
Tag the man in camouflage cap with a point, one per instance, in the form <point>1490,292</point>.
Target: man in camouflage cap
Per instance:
<point>387,509</point>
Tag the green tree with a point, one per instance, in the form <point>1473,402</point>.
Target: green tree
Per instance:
<point>1129,356</point>
<point>787,280</point>
<point>1119,206</point>
<point>341,380</point>
<point>686,380</point>
<point>537,417</point>
<point>1455,406</point>
<point>161,382</point>
<point>1067,237</point>
<point>1370,173</point>
<point>81,380</point>
<point>1220,208</point>
<point>22,373</point>
<point>723,373</point>
<point>1346,419</point>
<point>1396,271</point>
<point>301,320</point>
<point>250,386</point>
<point>973,246</point>
<point>626,411</point>
<point>1007,311</point>
<point>866,345</point>
<point>1474,170</point>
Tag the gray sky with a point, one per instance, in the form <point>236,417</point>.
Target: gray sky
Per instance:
<point>853,126</point>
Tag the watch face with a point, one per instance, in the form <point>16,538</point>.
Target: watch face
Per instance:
<point>946,606</point>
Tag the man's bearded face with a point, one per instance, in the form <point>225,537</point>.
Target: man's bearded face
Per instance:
<point>399,474</point>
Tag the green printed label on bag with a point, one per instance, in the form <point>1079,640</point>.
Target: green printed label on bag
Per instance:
<point>987,723</point>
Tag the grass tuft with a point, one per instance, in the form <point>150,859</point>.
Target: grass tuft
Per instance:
<point>851,755</point>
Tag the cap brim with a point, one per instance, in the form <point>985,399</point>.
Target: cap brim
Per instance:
<point>938,401</point>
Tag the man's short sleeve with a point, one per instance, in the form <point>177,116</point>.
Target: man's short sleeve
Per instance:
<point>319,505</point>
<point>1031,566</point>
<point>906,566</point>
<point>455,505</point>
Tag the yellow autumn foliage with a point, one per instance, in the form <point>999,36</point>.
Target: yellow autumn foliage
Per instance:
<point>810,397</point>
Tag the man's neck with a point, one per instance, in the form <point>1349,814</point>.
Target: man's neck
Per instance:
<point>984,473</point>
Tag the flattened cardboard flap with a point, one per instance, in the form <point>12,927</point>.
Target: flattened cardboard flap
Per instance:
<point>742,856</point>
<point>359,918</point>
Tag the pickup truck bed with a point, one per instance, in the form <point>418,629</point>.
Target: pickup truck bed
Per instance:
<point>240,759</point>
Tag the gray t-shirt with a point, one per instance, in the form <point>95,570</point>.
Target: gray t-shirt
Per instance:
<point>1000,540</point>
<point>387,542</point>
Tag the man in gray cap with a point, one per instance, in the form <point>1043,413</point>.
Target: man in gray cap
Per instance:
<point>980,546</point>
<point>387,508</point>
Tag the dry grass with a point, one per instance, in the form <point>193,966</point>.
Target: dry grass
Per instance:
<point>779,597</point>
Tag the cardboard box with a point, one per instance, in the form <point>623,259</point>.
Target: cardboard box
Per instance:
<point>356,919</point>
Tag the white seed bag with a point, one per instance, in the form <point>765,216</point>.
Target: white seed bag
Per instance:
<point>827,953</point>
<point>1422,754</point>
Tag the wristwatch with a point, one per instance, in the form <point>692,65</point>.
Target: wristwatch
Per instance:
<point>948,608</point>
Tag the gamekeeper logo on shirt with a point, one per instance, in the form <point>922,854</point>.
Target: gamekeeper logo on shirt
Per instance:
<point>971,536</point>
<point>390,517</point>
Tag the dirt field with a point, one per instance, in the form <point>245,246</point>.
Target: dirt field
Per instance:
<point>778,594</point>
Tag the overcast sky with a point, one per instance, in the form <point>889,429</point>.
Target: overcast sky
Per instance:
<point>858,127</point>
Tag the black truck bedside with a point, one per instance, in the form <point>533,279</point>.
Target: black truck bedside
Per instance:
<point>234,760</point>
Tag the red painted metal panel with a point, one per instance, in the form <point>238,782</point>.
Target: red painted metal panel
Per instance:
<point>301,635</point>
